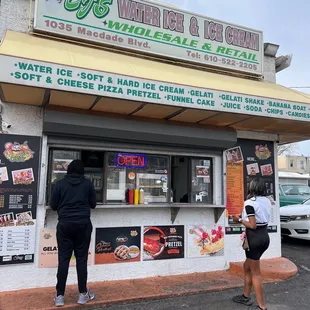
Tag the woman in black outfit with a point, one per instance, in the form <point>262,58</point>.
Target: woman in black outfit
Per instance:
<point>255,218</point>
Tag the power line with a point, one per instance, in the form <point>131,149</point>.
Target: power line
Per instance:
<point>300,87</point>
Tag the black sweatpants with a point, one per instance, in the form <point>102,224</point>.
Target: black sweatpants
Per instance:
<point>73,237</point>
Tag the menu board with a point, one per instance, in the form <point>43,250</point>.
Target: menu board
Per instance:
<point>249,159</point>
<point>203,241</point>
<point>48,251</point>
<point>19,165</point>
<point>163,242</point>
<point>258,162</point>
<point>234,188</point>
<point>115,245</point>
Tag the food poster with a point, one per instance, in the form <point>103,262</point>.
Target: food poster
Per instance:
<point>19,168</point>
<point>115,245</point>
<point>257,161</point>
<point>203,241</point>
<point>163,242</point>
<point>61,165</point>
<point>48,251</point>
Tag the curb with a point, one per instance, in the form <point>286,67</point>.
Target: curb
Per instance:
<point>138,290</point>
<point>129,300</point>
<point>280,269</point>
<point>103,304</point>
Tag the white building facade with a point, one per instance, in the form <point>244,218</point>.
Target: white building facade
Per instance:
<point>64,128</point>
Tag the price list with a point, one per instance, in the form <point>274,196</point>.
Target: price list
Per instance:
<point>234,188</point>
<point>20,201</point>
<point>1,241</point>
<point>17,240</point>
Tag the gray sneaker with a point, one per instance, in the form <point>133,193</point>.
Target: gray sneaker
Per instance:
<point>59,301</point>
<point>85,298</point>
<point>241,299</point>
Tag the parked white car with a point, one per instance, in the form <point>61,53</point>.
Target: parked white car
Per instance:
<point>295,220</point>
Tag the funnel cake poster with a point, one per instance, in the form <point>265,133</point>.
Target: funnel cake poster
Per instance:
<point>205,241</point>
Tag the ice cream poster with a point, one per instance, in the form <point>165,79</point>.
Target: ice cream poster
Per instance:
<point>23,177</point>
<point>48,251</point>
<point>203,241</point>
<point>3,174</point>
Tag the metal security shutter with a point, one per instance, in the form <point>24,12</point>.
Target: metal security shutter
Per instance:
<point>107,132</point>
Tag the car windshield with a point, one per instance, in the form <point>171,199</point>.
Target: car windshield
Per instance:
<point>297,190</point>
<point>306,202</point>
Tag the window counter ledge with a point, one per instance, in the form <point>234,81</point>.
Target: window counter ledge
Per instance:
<point>174,208</point>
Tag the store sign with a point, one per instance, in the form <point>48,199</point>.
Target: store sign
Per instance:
<point>51,76</point>
<point>130,160</point>
<point>153,28</point>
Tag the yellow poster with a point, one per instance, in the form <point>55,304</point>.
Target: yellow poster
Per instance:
<point>48,253</point>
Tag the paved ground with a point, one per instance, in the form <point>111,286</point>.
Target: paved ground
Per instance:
<point>291,295</point>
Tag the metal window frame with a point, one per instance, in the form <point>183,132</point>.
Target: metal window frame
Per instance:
<point>79,144</point>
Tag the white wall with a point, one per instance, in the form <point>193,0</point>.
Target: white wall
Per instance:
<point>37,277</point>
<point>14,15</point>
<point>23,119</point>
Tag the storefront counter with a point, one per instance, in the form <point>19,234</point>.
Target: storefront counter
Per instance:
<point>190,206</point>
<point>174,208</point>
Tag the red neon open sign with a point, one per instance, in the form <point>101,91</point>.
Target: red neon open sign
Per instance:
<point>130,160</point>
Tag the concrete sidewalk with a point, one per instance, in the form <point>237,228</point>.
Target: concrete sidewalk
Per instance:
<point>150,288</point>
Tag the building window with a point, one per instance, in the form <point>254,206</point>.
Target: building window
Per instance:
<point>302,165</point>
<point>292,163</point>
<point>157,178</point>
<point>148,174</point>
<point>191,180</point>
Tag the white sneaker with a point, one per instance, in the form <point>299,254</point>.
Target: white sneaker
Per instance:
<point>85,298</point>
<point>59,301</point>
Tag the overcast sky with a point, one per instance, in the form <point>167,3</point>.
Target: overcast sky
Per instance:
<point>283,22</point>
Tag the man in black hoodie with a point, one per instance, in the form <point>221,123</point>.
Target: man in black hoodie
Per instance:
<point>73,197</point>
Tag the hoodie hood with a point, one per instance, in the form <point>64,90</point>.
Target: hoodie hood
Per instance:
<point>75,179</point>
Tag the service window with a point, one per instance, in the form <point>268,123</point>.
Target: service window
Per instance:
<point>191,180</point>
<point>127,171</point>
<point>93,164</point>
<point>201,181</point>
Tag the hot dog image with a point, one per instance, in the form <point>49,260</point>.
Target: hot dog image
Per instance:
<point>163,242</point>
<point>153,243</point>
<point>151,246</point>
